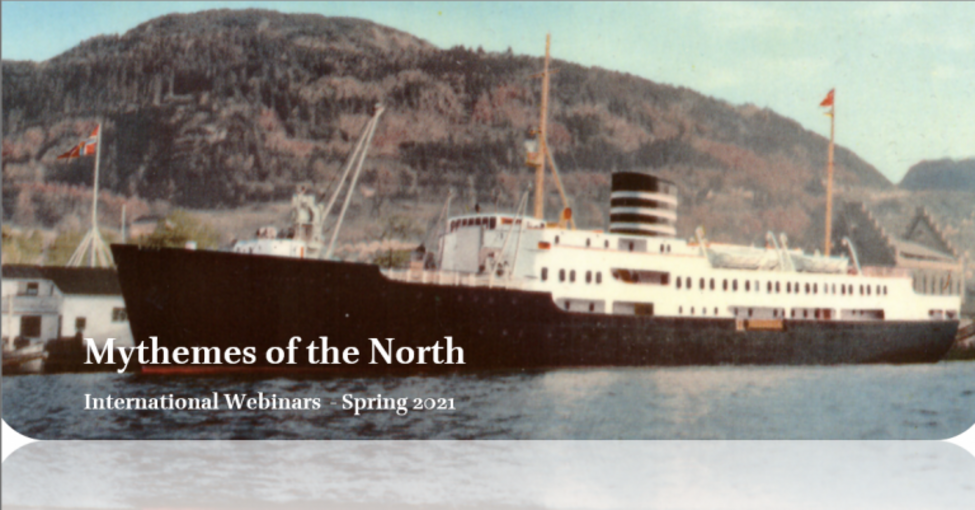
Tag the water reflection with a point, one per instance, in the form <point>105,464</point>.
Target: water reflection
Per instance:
<point>529,474</point>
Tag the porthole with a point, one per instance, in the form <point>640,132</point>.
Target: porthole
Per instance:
<point>588,276</point>
<point>561,275</point>
<point>572,276</point>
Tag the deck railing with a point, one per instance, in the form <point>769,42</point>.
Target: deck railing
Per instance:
<point>452,278</point>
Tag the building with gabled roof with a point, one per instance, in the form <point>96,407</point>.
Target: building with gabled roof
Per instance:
<point>41,303</point>
<point>924,250</point>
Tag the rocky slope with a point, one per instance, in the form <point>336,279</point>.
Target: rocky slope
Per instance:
<point>224,109</point>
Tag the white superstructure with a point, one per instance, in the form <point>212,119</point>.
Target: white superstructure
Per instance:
<point>642,268</point>
<point>599,272</point>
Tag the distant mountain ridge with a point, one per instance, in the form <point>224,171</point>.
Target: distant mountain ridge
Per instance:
<point>946,174</point>
<point>224,108</point>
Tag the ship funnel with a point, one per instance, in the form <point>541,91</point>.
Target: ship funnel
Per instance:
<point>643,204</point>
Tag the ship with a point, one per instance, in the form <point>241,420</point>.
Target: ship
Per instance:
<point>512,291</point>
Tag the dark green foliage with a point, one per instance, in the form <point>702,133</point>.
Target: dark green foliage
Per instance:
<point>224,108</point>
<point>178,228</point>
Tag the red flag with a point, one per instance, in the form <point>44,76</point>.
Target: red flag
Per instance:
<point>829,99</point>
<point>85,148</point>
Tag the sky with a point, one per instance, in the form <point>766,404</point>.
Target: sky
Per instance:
<point>904,73</point>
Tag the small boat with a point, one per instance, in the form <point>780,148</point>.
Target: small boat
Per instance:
<point>24,359</point>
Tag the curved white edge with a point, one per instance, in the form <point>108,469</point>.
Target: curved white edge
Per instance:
<point>11,440</point>
<point>965,440</point>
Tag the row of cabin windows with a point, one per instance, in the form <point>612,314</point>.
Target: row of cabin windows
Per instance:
<point>630,245</point>
<point>704,310</point>
<point>588,242</point>
<point>790,287</point>
<point>572,276</point>
<point>488,223</point>
<point>777,313</point>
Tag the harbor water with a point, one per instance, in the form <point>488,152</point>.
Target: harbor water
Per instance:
<point>726,402</point>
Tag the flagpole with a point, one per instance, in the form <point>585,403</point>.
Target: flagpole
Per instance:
<point>94,200</point>
<point>829,177</point>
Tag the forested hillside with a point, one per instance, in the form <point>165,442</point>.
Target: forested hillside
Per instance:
<point>223,109</point>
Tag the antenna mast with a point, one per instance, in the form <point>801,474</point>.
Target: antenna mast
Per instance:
<point>543,131</point>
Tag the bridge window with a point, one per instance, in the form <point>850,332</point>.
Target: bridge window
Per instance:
<point>642,277</point>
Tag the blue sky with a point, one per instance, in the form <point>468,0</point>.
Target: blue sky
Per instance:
<point>904,72</point>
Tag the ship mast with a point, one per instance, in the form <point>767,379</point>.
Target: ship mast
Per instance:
<point>829,168</point>
<point>542,132</point>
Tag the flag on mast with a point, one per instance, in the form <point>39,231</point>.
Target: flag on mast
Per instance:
<point>85,148</point>
<point>828,102</point>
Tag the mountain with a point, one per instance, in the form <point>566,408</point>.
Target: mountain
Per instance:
<point>943,174</point>
<point>223,109</point>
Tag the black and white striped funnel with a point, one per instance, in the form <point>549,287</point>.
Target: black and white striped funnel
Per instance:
<point>642,204</point>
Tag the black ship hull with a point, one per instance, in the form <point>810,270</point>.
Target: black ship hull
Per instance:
<point>217,299</point>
